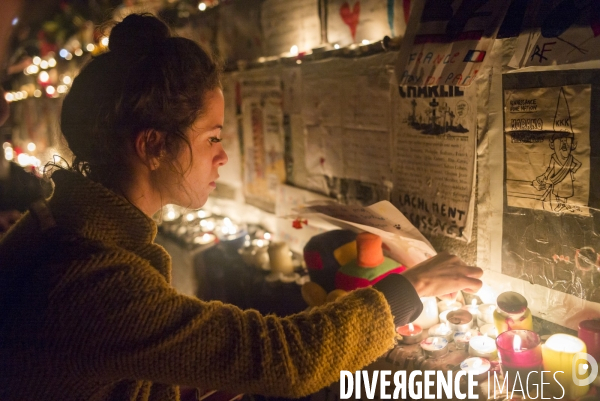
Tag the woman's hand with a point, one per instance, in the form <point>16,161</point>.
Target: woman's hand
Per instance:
<point>443,276</point>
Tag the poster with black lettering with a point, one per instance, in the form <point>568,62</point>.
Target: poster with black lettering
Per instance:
<point>564,32</point>
<point>547,144</point>
<point>263,135</point>
<point>434,158</point>
<point>448,43</point>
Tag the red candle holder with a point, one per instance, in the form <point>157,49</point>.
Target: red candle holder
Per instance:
<point>519,351</point>
<point>589,333</point>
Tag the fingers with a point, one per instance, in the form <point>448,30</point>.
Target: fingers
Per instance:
<point>471,285</point>
<point>448,297</point>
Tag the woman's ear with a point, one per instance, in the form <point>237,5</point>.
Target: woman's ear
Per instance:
<point>149,147</point>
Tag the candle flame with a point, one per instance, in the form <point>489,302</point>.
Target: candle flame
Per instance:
<point>411,327</point>
<point>517,343</point>
<point>474,302</point>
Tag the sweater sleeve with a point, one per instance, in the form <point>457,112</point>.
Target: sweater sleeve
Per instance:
<point>401,296</point>
<point>126,322</point>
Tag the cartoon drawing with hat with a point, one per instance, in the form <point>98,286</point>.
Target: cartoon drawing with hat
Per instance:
<point>558,178</point>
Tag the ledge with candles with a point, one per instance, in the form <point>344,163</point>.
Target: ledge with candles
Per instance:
<point>505,340</point>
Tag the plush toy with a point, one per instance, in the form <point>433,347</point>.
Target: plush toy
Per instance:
<point>340,261</point>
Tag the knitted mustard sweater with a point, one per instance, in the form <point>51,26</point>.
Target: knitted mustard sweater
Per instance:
<point>93,317</point>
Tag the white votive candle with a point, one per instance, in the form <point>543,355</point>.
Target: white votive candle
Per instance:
<point>429,316</point>
<point>483,346</point>
<point>486,313</point>
<point>441,330</point>
<point>478,367</point>
<point>445,305</point>
<point>473,309</point>
<point>489,330</point>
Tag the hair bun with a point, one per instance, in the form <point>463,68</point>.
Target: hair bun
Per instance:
<point>138,33</point>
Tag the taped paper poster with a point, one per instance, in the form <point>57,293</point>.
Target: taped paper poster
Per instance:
<point>434,158</point>
<point>262,122</point>
<point>548,148</point>
<point>565,32</point>
<point>450,42</point>
<point>354,21</point>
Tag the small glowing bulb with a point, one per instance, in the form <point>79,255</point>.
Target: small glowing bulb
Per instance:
<point>43,64</point>
<point>67,80</point>
<point>52,62</point>
<point>104,41</point>
<point>336,46</point>
<point>190,216</point>
<point>37,93</point>
<point>202,6</point>
<point>33,69</point>
<point>50,90</point>
<point>267,236</point>
<point>36,60</point>
<point>260,243</point>
<point>78,52</point>
<point>90,47</point>
<point>15,21</point>
<point>365,42</point>
<point>6,145</point>
<point>63,53</point>
<point>517,343</point>
<point>9,97</point>
<point>298,61</point>
<point>294,50</point>
<point>62,89</point>
<point>31,147</point>
<point>201,214</point>
<point>69,56</point>
<point>44,77</point>
<point>9,154</point>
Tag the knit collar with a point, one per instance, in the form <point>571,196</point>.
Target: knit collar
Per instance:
<point>97,213</point>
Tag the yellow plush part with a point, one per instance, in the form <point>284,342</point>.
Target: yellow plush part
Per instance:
<point>345,253</point>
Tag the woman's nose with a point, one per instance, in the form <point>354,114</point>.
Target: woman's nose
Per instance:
<point>222,158</point>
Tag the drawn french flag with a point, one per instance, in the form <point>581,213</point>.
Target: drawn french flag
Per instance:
<point>474,56</point>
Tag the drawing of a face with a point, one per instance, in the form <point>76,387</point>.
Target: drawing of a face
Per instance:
<point>562,147</point>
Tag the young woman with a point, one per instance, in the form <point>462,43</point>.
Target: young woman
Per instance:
<point>86,308</point>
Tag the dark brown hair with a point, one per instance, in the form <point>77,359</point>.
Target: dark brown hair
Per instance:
<point>149,80</point>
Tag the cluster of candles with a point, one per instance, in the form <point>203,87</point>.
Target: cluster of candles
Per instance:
<point>503,333</point>
<point>200,227</point>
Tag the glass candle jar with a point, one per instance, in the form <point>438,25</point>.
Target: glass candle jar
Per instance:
<point>512,313</point>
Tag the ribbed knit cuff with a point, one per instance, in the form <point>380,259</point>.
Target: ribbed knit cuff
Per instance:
<point>404,301</point>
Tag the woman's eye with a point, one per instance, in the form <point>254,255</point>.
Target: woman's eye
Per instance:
<point>214,139</point>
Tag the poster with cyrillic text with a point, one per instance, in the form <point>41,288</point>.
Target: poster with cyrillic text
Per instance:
<point>547,137</point>
<point>434,158</point>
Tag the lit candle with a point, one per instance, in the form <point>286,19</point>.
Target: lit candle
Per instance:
<point>429,316</point>
<point>434,347</point>
<point>411,333</point>
<point>512,313</point>
<point>444,316</point>
<point>476,366</point>
<point>204,239</point>
<point>489,330</point>
<point>473,309</point>
<point>460,320</point>
<point>280,258</point>
<point>462,338</point>
<point>559,353</point>
<point>483,346</point>
<point>589,333</point>
<point>449,304</point>
<point>170,212</point>
<point>519,351</point>
<point>442,330</point>
<point>486,314</point>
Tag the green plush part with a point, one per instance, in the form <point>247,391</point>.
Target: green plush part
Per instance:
<point>369,273</point>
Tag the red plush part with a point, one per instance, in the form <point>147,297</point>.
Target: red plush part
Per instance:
<point>349,283</point>
<point>313,260</point>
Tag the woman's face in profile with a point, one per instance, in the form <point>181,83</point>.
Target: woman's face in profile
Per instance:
<point>207,156</point>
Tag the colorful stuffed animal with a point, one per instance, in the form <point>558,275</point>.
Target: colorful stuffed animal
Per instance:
<point>340,261</point>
